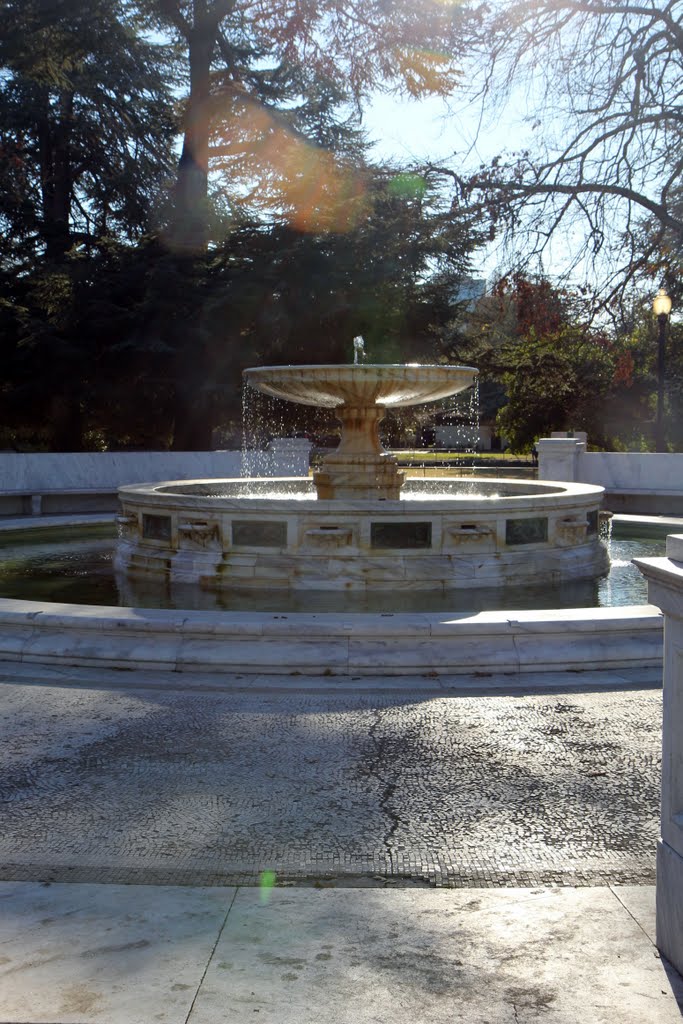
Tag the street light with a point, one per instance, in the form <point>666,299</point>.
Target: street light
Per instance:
<point>661,308</point>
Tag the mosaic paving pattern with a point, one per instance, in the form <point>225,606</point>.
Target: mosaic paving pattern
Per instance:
<point>207,788</point>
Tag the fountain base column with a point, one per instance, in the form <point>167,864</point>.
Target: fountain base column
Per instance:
<point>360,468</point>
<point>362,478</point>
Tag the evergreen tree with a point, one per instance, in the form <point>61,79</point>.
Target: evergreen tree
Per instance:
<point>86,130</point>
<point>86,123</point>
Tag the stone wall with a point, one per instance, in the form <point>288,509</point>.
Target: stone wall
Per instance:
<point>665,589</point>
<point>644,483</point>
<point>498,646</point>
<point>63,482</point>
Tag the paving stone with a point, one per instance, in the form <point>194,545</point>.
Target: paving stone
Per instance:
<point>116,954</point>
<point>147,785</point>
<point>567,956</point>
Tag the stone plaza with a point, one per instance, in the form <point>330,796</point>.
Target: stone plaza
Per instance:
<point>214,786</point>
<point>311,849</point>
<point>310,819</point>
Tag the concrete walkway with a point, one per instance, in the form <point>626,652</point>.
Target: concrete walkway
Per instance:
<point>418,856</point>
<point>89,954</point>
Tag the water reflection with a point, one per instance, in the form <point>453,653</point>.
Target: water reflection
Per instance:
<point>80,571</point>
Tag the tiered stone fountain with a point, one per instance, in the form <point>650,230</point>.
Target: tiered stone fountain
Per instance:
<point>358,525</point>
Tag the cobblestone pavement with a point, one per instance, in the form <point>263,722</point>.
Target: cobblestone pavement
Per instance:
<point>166,787</point>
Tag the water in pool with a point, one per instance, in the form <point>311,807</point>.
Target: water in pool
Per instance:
<point>66,566</point>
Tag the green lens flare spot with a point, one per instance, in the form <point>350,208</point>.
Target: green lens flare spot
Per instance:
<point>266,883</point>
<point>407,186</point>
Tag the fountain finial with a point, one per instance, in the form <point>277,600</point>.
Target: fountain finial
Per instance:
<point>358,349</point>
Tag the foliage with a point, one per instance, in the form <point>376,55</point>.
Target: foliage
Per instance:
<point>556,382</point>
<point>544,367</point>
<point>86,127</point>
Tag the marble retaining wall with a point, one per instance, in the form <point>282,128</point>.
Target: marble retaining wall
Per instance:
<point>61,482</point>
<point>647,483</point>
<point>359,645</point>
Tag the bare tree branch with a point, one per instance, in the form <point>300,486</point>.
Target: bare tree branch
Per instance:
<point>606,87</point>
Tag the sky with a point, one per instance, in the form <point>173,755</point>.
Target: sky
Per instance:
<point>407,130</point>
<point>436,127</point>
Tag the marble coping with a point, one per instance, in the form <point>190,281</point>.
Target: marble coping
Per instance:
<point>331,643</point>
<point>532,497</point>
<point>665,587</point>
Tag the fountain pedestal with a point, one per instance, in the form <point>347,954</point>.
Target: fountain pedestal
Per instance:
<point>359,468</point>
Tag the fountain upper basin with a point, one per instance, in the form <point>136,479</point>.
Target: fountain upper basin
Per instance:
<point>361,384</point>
<point>360,468</point>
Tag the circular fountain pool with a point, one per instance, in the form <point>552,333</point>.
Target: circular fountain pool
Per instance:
<point>442,536</point>
<point>358,525</point>
<point>75,565</point>
<point>354,535</point>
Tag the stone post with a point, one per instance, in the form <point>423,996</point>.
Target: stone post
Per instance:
<point>558,458</point>
<point>290,456</point>
<point>665,589</point>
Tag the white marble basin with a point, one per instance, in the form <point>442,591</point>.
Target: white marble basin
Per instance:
<point>361,384</point>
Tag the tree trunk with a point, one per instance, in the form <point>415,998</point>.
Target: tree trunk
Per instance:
<point>193,428</point>
<point>66,421</point>
<point>55,176</point>
<point>191,227</point>
<point>193,424</point>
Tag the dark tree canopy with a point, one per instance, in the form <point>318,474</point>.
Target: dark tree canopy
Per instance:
<point>86,134</point>
<point>86,126</point>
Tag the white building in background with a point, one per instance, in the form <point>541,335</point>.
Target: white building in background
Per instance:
<point>471,289</point>
<point>463,437</point>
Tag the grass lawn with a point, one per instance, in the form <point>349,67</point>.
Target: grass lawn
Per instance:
<point>428,455</point>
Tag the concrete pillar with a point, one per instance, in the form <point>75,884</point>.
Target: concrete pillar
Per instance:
<point>558,458</point>
<point>665,589</point>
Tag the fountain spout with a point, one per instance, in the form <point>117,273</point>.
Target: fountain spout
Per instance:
<point>358,349</point>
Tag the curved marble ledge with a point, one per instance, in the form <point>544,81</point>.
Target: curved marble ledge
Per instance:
<point>571,640</point>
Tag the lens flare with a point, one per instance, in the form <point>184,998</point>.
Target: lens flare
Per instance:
<point>308,186</point>
<point>407,186</point>
<point>267,882</point>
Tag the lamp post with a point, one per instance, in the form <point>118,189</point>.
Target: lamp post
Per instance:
<point>661,308</point>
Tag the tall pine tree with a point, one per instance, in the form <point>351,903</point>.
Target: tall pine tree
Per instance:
<point>86,133</point>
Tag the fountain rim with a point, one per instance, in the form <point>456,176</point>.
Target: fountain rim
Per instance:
<point>360,368</point>
<point>58,635</point>
<point>275,380</point>
<point>537,492</point>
